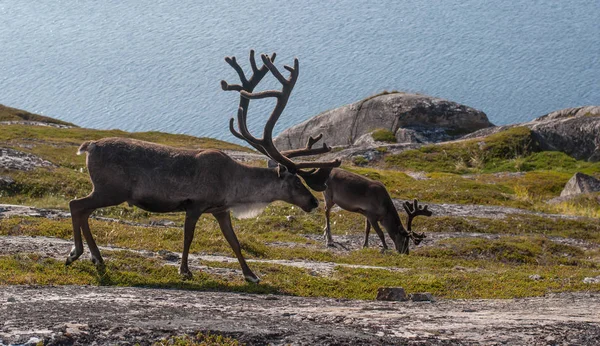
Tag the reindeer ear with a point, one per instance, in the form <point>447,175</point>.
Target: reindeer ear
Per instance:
<point>280,170</point>
<point>317,180</point>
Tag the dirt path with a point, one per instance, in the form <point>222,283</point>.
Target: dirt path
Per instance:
<point>110,315</point>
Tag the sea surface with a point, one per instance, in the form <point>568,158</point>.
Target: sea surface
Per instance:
<point>156,65</point>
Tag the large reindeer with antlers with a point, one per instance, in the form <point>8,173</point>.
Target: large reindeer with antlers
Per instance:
<point>159,178</point>
<point>370,198</point>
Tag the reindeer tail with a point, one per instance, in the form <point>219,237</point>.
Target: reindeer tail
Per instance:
<point>86,147</point>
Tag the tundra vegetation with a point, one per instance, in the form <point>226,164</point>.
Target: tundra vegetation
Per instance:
<point>506,169</point>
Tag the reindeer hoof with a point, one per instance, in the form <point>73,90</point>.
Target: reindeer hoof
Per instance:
<point>252,278</point>
<point>98,262</point>
<point>73,256</point>
<point>185,274</point>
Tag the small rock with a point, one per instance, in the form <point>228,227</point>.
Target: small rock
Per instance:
<point>290,218</point>
<point>13,300</point>
<point>6,181</point>
<point>168,255</point>
<point>535,277</point>
<point>271,298</point>
<point>166,223</point>
<point>391,294</point>
<point>422,297</point>
<point>595,280</point>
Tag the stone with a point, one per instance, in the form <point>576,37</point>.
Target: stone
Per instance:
<point>535,277</point>
<point>573,131</point>
<point>6,181</point>
<point>18,160</point>
<point>580,183</point>
<point>422,297</point>
<point>429,119</point>
<point>590,280</point>
<point>391,294</point>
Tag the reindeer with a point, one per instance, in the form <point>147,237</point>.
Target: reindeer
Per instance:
<point>370,198</point>
<point>161,179</point>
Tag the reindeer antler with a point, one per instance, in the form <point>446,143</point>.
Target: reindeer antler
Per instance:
<point>265,144</point>
<point>414,210</point>
<point>308,149</point>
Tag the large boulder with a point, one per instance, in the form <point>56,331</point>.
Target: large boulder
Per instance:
<point>580,183</point>
<point>433,119</point>
<point>574,131</point>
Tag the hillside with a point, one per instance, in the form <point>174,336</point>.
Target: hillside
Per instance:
<point>492,236</point>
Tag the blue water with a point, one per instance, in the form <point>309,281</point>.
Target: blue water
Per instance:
<point>156,65</point>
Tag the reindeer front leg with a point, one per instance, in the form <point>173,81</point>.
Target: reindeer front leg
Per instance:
<point>224,220</point>
<point>373,221</point>
<point>367,231</point>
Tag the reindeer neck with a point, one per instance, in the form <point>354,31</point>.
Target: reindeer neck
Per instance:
<point>391,221</point>
<point>255,185</point>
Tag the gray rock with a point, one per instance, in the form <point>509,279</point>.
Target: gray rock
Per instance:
<point>14,159</point>
<point>391,294</point>
<point>422,297</point>
<point>6,181</point>
<point>432,119</point>
<point>535,277</point>
<point>574,131</point>
<point>594,280</point>
<point>580,183</point>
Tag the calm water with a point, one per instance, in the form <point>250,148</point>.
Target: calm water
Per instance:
<point>139,65</point>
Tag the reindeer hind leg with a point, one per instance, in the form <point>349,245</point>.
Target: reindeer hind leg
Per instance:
<point>327,230</point>
<point>81,209</point>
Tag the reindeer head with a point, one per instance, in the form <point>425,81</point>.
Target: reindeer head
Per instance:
<point>404,236</point>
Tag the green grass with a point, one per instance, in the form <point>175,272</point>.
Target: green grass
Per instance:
<point>383,135</point>
<point>512,150</point>
<point>200,339</point>
<point>498,266</point>
<point>512,258</point>
<point>14,114</point>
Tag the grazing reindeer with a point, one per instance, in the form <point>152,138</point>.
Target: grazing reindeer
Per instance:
<point>162,179</point>
<point>358,194</point>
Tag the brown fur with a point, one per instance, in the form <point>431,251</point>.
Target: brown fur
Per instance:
<point>370,198</point>
<point>159,178</point>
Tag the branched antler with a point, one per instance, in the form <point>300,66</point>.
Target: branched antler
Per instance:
<point>414,210</point>
<point>265,144</point>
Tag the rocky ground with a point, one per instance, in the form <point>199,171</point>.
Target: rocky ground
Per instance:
<point>66,315</point>
<point>83,315</point>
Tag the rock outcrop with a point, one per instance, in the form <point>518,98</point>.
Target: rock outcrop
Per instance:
<point>580,183</point>
<point>574,131</point>
<point>18,160</point>
<point>411,117</point>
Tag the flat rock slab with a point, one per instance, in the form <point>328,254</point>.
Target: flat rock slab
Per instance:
<point>125,315</point>
<point>14,159</point>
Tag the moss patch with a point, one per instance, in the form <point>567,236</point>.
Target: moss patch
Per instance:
<point>383,135</point>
